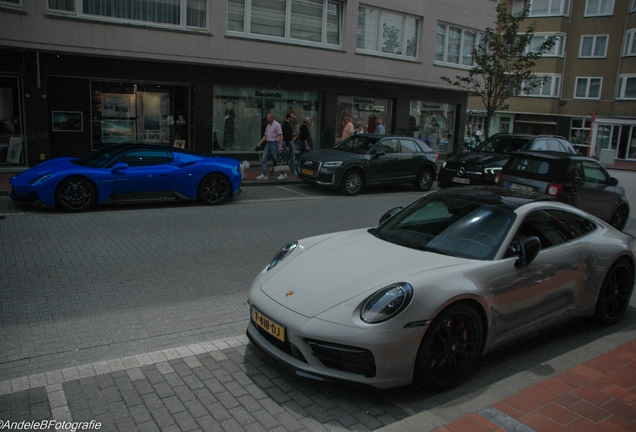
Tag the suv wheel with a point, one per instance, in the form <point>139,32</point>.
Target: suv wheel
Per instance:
<point>352,183</point>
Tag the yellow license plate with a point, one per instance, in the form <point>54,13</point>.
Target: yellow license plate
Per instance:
<point>308,172</point>
<point>270,326</point>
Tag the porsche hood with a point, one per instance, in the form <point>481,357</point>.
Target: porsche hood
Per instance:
<point>326,273</point>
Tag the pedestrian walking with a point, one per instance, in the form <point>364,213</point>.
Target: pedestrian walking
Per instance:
<point>359,128</point>
<point>273,140</point>
<point>379,129</point>
<point>303,138</point>
<point>348,129</point>
<point>478,135</point>
<point>288,145</point>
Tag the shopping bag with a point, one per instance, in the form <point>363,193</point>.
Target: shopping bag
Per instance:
<point>282,162</point>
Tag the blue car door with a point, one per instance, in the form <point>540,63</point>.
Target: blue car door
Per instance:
<point>148,170</point>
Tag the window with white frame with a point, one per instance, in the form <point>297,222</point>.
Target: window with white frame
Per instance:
<point>626,87</point>
<point>455,45</point>
<point>547,86</point>
<point>593,46</point>
<point>164,13</point>
<point>599,7</point>
<point>588,88</point>
<point>549,7</point>
<point>632,6</point>
<point>13,4</point>
<point>630,43</point>
<point>387,33</point>
<point>312,22</point>
<point>538,40</point>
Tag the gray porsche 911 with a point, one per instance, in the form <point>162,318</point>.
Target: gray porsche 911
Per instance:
<point>437,284</point>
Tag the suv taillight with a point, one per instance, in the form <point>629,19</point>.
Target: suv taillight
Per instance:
<point>554,190</point>
<point>498,179</point>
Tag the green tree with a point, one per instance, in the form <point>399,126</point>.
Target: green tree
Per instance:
<point>503,63</point>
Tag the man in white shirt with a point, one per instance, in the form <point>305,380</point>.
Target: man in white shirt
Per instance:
<point>273,143</point>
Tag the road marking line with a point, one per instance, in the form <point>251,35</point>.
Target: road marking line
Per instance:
<point>291,190</point>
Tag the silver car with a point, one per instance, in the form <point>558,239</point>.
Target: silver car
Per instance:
<point>421,297</point>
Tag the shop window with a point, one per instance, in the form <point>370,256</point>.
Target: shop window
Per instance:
<point>588,88</point>
<point>387,33</point>
<point>172,13</point>
<point>473,123</point>
<point>580,134</point>
<point>131,112</point>
<point>593,46</point>
<point>433,123</point>
<point>312,22</point>
<point>11,133</point>
<point>370,111</point>
<point>13,4</point>
<point>626,87</point>
<point>240,113</point>
<point>455,45</point>
<point>599,8</point>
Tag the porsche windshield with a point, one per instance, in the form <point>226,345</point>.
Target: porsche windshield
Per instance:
<point>450,226</point>
<point>357,144</point>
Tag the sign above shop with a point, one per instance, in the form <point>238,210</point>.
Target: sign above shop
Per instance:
<point>268,95</point>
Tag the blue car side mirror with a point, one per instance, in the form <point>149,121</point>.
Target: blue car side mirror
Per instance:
<point>119,166</point>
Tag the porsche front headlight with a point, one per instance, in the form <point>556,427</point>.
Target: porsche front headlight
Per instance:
<point>282,254</point>
<point>386,303</point>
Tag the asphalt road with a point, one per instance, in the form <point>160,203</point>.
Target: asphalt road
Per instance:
<point>122,280</point>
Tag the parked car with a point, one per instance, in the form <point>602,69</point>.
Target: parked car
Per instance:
<point>128,172</point>
<point>367,159</point>
<point>480,166</point>
<point>456,274</point>
<point>576,180</point>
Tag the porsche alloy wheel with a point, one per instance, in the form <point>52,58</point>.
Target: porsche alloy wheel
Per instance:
<point>75,194</point>
<point>352,183</point>
<point>615,293</point>
<point>450,348</point>
<point>214,189</point>
<point>425,180</point>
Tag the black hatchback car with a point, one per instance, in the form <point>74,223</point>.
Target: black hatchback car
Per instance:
<point>369,159</point>
<point>480,166</point>
<point>576,180</point>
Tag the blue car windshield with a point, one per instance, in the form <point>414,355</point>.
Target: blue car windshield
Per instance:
<point>450,226</point>
<point>99,158</point>
<point>356,144</point>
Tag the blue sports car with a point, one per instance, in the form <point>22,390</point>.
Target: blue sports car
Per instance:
<point>129,172</point>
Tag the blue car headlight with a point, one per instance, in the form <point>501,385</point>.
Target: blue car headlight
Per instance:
<point>386,303</point>
<point>282,254</point>
<point>39,179</point>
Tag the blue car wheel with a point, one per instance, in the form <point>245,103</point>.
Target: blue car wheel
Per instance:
<point>214,189</point>
<point>75,194</point>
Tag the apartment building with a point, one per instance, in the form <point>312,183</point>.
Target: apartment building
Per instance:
<point>589,95</point>
<point>77,75</point>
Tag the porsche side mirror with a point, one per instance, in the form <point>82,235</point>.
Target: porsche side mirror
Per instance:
<point>119,166</point>
<point>528,250</point>
<point>388,215</point>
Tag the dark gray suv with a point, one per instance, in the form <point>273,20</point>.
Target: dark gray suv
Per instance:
<point>576,180</point>
<point>368,159</point>
<point>480,166</point>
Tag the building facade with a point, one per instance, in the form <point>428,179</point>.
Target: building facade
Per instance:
<point>589,95</point>
<point>77,75</point>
